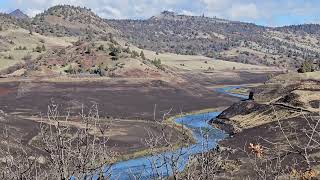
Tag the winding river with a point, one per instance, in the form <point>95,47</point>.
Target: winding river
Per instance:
<point>160,165</point>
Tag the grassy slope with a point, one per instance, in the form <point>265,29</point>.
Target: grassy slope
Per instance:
<point>198,63</point>
<point>21,37</point>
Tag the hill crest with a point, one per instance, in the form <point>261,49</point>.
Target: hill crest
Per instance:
<point>18,14</point>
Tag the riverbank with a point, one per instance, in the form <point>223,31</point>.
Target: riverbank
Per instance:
<point>282,124</point>
<point>173,161</point>
<point>195,125</point>
<point>123,99</point>
<point>171,122</point>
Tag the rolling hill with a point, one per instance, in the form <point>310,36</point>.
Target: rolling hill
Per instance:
<point>70,21</point>
<point>162,37</point>
<point>223,39</point>
<point>18,14</point>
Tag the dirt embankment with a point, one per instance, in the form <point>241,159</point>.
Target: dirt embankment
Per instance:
<point>274,102</point>
<point>281,120</point>
<point>278,157</point>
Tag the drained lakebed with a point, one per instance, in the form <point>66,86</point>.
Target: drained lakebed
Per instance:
<point>163,164</point>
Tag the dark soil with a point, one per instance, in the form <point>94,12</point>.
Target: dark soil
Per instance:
<point>233,78</point>
<point>269,136</point>
<point>130,101</point>
<point>120,100</point>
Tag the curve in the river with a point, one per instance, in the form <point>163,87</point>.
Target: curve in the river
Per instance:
<point>160,165</point>
<point>228,89</point>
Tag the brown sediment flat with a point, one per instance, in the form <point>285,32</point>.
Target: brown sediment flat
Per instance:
<point>4,91</point>
<point>129,101</point>
<point>121,100</point>
<point>131,104</point>
<point>132,139</point>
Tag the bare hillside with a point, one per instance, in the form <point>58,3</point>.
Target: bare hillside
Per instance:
<point>70,21</point>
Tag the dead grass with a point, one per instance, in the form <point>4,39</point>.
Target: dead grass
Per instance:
<point>294,77</point>
<point>258,118</point>
<point>22,38</point>
<point>196,63</point>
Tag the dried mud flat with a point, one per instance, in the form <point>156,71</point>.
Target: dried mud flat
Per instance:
<point>134,104</point>
<point>120,100</point>
<point>131,105</point>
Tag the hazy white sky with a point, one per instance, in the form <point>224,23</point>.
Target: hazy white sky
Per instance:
<point>263,12</point>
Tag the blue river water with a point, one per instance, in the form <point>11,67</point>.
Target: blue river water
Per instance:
<point>227,89</point>
<point>161,165</point>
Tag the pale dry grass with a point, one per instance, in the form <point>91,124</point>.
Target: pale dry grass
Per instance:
<point>260,118</point>
<point>307,96</point>
<point>195,62</point>
<point>294,77</point>
<point>4,63</point>
<point>22,38</point>
<point>308,41</point>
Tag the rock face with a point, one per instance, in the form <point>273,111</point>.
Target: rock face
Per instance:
<point>18,14</point>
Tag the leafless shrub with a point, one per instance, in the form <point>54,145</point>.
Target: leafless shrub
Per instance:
<point>68,151</point>
<point>293,157</point>
<point>16,161</point>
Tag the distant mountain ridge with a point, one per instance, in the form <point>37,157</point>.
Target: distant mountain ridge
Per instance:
<point>18,14</point>
<point>170,15</point>
<point>66,20</point>
<point>223,39</point>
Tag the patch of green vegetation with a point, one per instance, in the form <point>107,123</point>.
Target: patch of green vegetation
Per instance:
<point>70,69</point>
<point>40,49</point>
<point>9,57</point>
<point>127,50</point>
<point>134,54</point>
<point>27,57</point>
<point>101,47</point>
<point>114,52</point>
<point>241,91</point>
<point>157,62</point>
<point>114,49</point>
<point>100,70</point>
<point>142,55</point>
<point>307,66</point>
<point>20,48</point>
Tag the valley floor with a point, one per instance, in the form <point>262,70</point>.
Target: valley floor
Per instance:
<point>130,106</point>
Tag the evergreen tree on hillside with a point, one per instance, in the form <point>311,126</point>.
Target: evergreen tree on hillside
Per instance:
<point>307,66</point>
<point>43,48</point>
<point>142,55</point>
